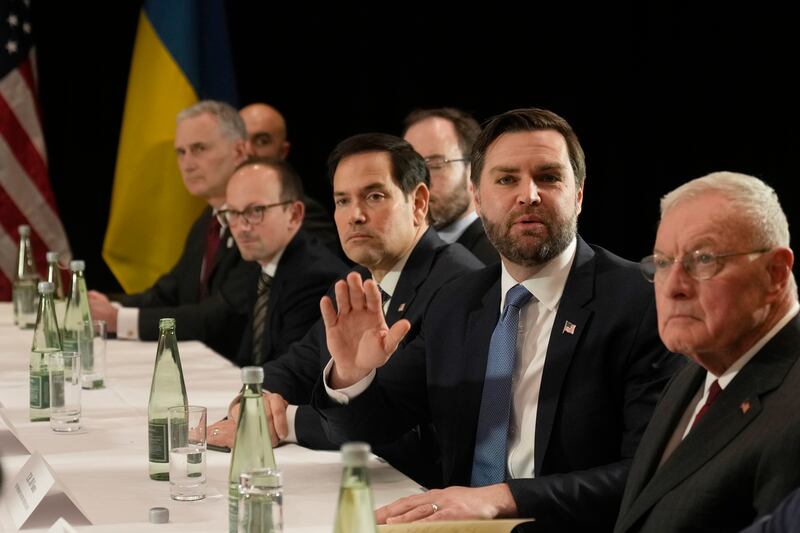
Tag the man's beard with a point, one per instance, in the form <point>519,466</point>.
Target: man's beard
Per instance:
<point>551,240</point>
<point>451,207</point>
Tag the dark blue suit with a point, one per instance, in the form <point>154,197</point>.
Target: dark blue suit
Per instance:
<point>599,386</point>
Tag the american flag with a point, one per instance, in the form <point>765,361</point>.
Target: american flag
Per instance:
<point>25,193</point>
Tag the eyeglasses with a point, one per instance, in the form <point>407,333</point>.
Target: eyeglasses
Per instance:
<point>253,214</point>
<point>699,264</point>
<point>438,163</point>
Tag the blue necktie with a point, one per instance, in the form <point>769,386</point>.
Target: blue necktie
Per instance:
<point>491,441</point>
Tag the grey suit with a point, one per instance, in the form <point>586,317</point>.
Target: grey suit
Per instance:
<point>736,464</point>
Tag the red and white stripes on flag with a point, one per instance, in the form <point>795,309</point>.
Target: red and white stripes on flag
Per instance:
<point>25,193</point>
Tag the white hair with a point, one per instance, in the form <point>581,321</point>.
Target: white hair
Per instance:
<point>753,199</point>
<point>230,123</point>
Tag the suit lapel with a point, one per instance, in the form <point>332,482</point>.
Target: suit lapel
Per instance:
<point>665,418</point>
<point>479,328</point>
<point>737,406</point>
<point>568,328</point>
<point>414,273</point>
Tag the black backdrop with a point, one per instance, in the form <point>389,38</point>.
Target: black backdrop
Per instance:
<point>657,93</point>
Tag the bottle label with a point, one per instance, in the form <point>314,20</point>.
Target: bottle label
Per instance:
<point>40,390</point>
<point>157,441</point>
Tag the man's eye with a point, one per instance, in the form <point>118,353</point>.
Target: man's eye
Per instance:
<point>506,180</point>
<point>375,197</point>
<point>661,263</point>
<point>704,258</point>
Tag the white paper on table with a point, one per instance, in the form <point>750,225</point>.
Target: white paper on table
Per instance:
<point>30,486</point>
<point>61,526</point>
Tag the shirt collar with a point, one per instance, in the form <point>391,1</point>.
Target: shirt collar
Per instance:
<point>272,267</point>
<point>389,281</point>
<point>454,230</point>
<point>547,285</point>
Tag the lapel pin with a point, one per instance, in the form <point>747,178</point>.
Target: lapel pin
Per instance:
<point>230,242</point>
<point>401,307</point>
<point>745,406</point>
<point>569,328</point>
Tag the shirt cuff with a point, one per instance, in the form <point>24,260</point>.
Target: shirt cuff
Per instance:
<point>343,396</point>
<point>291,415</point>
<point>128,323</point>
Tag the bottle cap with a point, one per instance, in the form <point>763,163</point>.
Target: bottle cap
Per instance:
<point>45,287</point>
<point>52,257</point>
<point>252,374</point>
<point>159,515</point>
<point>355,453</point>
<point>24,230</point>
<point>77,265</point>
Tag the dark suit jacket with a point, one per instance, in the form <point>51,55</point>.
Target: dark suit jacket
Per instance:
<point>737,463</point>
<point>305,272</point>
<point>474,239</point>
<point>217,320</point>
<point>598,388</point>
<point>431,264</point>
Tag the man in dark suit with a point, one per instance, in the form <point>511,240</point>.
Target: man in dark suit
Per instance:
<point>541,410</point>
<point>722,447</point>
<point>381,196</point>
<point>207,290</point>
<point>267,137</point>
<point>264,211</point>
<point>444,137</point>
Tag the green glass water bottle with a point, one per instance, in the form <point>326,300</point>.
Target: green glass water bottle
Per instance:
<point>253,446</point>
<point>167,390</point>
<point>77,333</point>
<point>355,512</point>
<point>46,340</point>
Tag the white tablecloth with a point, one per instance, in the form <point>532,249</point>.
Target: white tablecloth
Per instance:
<point>103,468</point>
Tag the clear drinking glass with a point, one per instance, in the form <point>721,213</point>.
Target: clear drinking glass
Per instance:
<point>187,452</point>
<point>65,391</point>
<point>261,501</point>
<point>94,376</point>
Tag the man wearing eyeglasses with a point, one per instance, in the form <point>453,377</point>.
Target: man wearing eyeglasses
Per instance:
<point>207,290</point>
<point>264,211</point>
<point>538,374</point>
<point>723,446</point>
<point>267,137</point>
<point>444,137</point>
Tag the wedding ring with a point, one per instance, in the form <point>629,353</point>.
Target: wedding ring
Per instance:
<point>434,507</point>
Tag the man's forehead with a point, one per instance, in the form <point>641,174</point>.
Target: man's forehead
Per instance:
<point>201,128</point>
<point>368,170</point>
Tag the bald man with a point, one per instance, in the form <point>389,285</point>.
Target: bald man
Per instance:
<point>266,137</point>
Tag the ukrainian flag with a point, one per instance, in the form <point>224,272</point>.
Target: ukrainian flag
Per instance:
<point>181,55</point>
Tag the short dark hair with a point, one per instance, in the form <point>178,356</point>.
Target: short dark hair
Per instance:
<point>530,119</point>
<point>408,167</point>
<point>467,128</point>
<point>291,184</point>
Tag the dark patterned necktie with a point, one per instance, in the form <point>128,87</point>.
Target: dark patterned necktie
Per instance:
<point>260,316</point>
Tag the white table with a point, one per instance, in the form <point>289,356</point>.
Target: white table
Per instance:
<point>104,466</point>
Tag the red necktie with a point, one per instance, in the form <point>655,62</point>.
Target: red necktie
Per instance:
<point>212,247</point>
<point>713,392</point>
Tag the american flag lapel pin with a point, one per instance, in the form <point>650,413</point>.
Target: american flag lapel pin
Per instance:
<point>569,328</point>
<point>745,406</point>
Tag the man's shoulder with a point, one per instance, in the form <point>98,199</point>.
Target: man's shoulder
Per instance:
<point>455,258</point>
